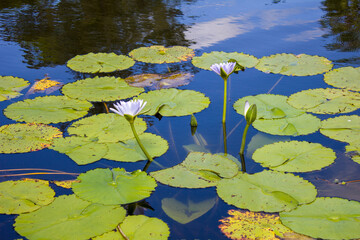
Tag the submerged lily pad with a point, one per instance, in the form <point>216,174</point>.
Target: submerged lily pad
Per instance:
<point>113,186</point>
<point>48,109</point>
<point>68,218</point>
<point>353,149</point>
<point>325,218</point>
<point>266,191</point>
<point>294,156</point>
<point>301,125</point>
<point>342,128</point>
<point>174,102</point>
<point>99,89</point>
<point>208,59</point>
<point>161,54</point>
<point>294,65</point>
<point>10,87</point>
<point>100,62</point>
<point>198,170</point>
<point>20,138</point>
<point>269,106</point>
<point>325,101</point>
<point>345,77</point>
<point>24,196</point>
<point>260,139</point>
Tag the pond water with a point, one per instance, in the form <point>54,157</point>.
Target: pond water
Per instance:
<point>37,38</point>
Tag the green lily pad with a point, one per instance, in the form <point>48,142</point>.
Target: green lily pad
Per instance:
<point>208,59</point>
<point>301,125</point>
<point>342,128</point>
<point>100,62</point>
<point>99,89</point>
<point>29,137</point>
<point>174,102</point>
<point>113,186</point>
<point>161,54</point>
<point>294,156</point>
<point>48,109</point>
<point>266,191</point>
<point>24,196</point>
<point>68,218</point>
<point>269,106</point>
<point>345,77</point>
<point>294,65</point>
<point>106,127</point>
<point>198,170</point>
<point>325,101</point>
<point>354,151</point>
<point>129,150</point>
<point>325,218</point>
<point>10,87</point>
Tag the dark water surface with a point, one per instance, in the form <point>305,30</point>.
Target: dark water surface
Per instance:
<point>39,37</point>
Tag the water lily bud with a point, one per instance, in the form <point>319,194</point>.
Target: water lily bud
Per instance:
<point>193,121</point>
<point>251,113</point>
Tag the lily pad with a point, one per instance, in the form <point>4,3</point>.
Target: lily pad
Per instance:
<point>353,149</point>
<point>10,87</point>
<point>24,196</point>
<point>100,62</point>
<point>113,186</point>
<point>198,170</point>
<point>294,65</point>
<point>99,89</point>
<point>266,191</point>
<point>208,59</point>
<point>345,77</point>
<point>45,85</point>
<point>161,54</point>
<point>129,150</point>
<point>342,128</point>
<point>325,101</point>
<point>68,218</point>
<point>106,127</point>
<point>325,218</point>
<point>48,109</point>
<point>29,137</point>
<point>269,106</point>
<point>301,125</point>
<point>294,156</point>
<point>174,102</point>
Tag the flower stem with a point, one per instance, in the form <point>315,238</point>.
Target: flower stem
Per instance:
<point>139,142</point>
<point>244,139</point>
<point>225,100</point>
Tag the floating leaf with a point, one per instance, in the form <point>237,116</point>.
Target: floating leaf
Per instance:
<point>208,59</point>
<point>342,128</point>
<point>354,151</point>
<point>345,77</point>
<point>301,125</point>
<point>326,218</point>
<point>44,85</point>
<point>68,218</point>
<point>99,89</point>
<point>269,106</point>
<point>260,139</point>
<point>294,156</point>
<point>198,170</point>
<point>161,54</point>
<point>294,65</point>
<point>29,137</point>
<point>129,150</point>
<point>326,101</point>
<point>65,183</point>
<point>266,191</point>
<point>48,109</point>
<point>100,62</point>
<point>113,186</point>
<point>10,87</point>
<point>174,102</point>
<point>24,196</point>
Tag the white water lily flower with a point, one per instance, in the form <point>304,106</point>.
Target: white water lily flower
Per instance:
<point>246,108</point>
<point>227,67</point>
<point>132,107</point>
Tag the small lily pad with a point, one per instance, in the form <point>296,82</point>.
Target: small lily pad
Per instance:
<point>113,186</point>
<point>48,109</point>
<point>10,87</point>
<point>294,156</point>
<point>174,102</point>
<point>325,218</point>
<point>45,85</point>
<point>20,138</point>
<point>161,54</point>
<point>100,62</point>
<point>294,65</point>
<point>345,77</point>
<point>342,128</point>
<point>99,89</point>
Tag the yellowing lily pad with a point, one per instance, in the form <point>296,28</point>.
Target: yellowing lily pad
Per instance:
<point>342,128</point>
<point>10,87</point>
<point>294,65</point>
<point>100,62</point>
<point>44,85</point>
<point>161,54</point>
<point>345,77</point>
<point>65,183</point>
